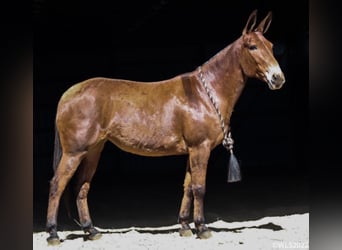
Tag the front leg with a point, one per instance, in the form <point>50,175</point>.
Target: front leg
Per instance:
<point>202,230</point>
<point>198,165</point>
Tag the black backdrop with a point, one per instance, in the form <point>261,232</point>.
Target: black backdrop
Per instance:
<point>155,40</point>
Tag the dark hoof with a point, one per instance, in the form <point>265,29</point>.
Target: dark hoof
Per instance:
<point>185,232</point>
<point>53,241</point>
<point>205,234</point>
<point>94,236</point>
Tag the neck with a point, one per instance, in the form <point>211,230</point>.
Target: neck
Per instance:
<point>225,79</point>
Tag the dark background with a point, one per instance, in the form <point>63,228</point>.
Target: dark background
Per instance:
<point>155,40</point>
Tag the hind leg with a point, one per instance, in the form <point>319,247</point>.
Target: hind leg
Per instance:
<point>63,174</point>
<point>84,176</point>
<point>184,213</point>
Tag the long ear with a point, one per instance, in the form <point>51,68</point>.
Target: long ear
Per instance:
<point>252,18</point>
<point>265,23</point>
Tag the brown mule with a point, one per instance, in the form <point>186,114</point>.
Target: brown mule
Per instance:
<point>172,117</point>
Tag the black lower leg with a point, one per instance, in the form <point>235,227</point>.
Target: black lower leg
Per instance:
<point>185,227</point>
<point>94,234</point>
<point>53,239</point>
<point>202,230</point>
<point>184,214</point>
<point>184,221</point>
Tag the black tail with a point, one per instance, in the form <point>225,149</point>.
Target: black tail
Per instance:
<point>57,155</point>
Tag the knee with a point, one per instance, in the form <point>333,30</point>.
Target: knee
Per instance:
<point>198,190</point>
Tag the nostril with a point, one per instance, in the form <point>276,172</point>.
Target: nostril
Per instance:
<point>275,77</point>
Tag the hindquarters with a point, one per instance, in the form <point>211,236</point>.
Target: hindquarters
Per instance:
<point>78,143</point>
<point>81,117</point>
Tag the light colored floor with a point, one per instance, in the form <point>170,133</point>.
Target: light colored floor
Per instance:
<point>279,232</point>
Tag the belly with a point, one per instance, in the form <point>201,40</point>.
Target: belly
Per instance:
<point>151,143</point>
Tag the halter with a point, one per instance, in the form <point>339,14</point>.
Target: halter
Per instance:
<point>227,142</point>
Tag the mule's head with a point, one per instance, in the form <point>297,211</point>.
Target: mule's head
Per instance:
<point>257,59</point>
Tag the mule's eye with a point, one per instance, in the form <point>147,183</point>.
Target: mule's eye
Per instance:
<point>253,47</point>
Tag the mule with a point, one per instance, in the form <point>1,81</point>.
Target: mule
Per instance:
<point>188,114</point>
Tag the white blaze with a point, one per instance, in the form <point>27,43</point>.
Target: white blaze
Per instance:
<point>272,70</point>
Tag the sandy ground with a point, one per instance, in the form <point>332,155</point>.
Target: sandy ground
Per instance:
<point>284,232</point>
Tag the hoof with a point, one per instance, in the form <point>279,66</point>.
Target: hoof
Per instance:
<point>94,236</point>
<point>185,232</point>
<point>53,241</point>
<point>205,234</point>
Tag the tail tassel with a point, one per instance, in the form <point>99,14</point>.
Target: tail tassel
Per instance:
<point>234,173</point>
